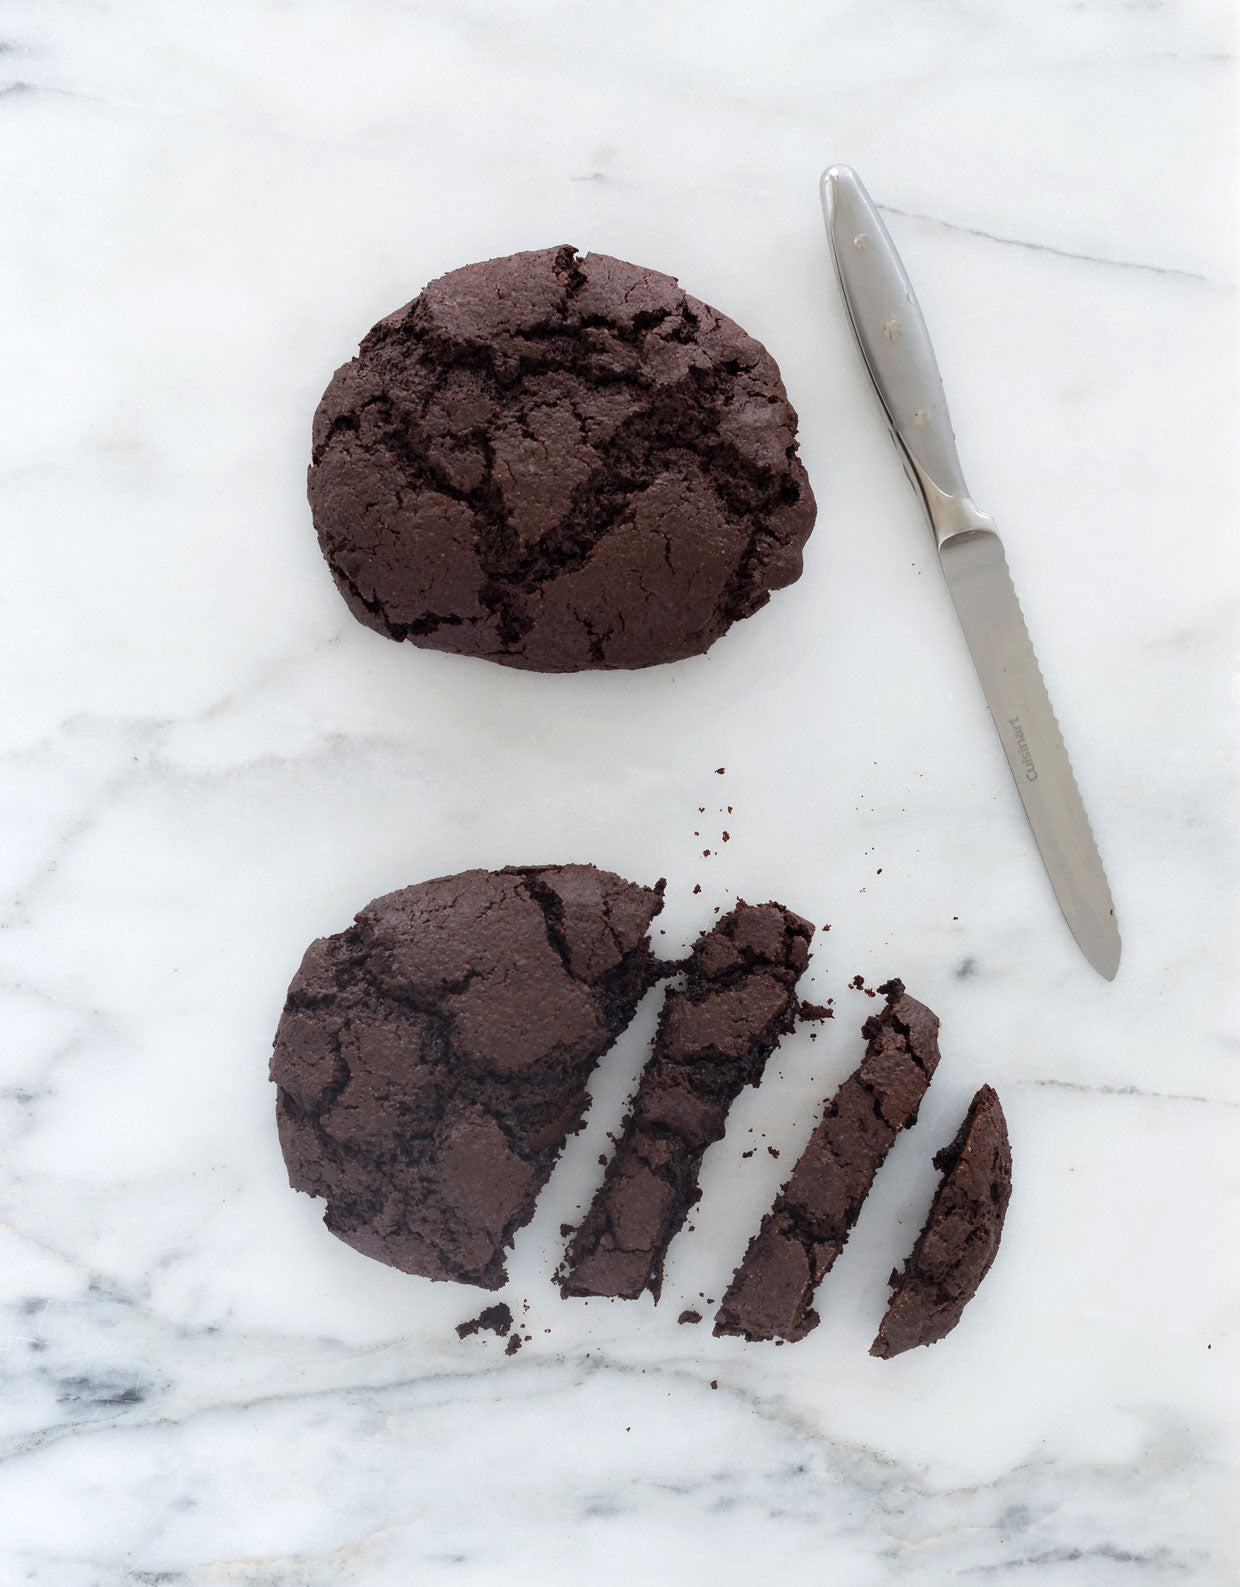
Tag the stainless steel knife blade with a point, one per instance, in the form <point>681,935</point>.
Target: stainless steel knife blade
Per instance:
<point>896,346</point>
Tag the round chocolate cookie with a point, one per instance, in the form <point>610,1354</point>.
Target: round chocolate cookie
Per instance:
<point>558,463</point>
<point>432,1059</point>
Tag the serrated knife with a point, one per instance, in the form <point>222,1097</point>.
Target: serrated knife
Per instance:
<point>896,346</point>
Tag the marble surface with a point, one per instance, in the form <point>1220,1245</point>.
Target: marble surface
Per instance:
<point>206,763</point>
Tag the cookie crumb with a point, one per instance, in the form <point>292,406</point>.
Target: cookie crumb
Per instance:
<point>495,1319</point>
<point>689,1317</point>
<point>513,1345</point>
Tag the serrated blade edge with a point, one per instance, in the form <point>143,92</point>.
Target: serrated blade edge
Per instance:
<point>981,588</point>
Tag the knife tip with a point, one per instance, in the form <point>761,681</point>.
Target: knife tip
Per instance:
<point>1104,956</point>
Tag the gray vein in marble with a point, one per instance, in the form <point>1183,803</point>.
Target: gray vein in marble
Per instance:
<point>269,670</point>
<point>1131,1091</point>
<point>1158,1557</point>
<point>784,1488</point>
<point>97,805</point>
<point>109,1363</point>
<point>20,90</point>
<point>1215,58</point>
<point>148,736</point>
<point>61,846</point>
<point>25,1096</point>
<point>1043,247</point>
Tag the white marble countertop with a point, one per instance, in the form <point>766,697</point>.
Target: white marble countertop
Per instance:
<point>206,763</point>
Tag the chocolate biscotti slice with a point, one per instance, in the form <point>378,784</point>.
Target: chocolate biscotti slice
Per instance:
<point>772,1291</point>
<point>714,1037</point>
<point>954,1251</point>
<point>432,1059</point>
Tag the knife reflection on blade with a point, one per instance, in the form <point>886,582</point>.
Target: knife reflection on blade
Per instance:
<point>896,346</point>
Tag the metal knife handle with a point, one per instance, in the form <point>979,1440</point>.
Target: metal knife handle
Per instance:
<point>896,345</point>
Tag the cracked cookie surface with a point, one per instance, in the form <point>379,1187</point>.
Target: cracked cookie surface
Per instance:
<point>558,463</point>
<point>714,1038</point>
<point>772,1291</point>
<point>432,1059</point>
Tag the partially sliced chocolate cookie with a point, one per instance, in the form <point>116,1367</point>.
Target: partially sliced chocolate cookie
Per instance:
<point>432,1059</point>
<point>772,1291</point>
<point>714,1038</point>
<point>954,1251</point>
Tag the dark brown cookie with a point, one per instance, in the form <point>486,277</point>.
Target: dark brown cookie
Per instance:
<point>954,1251</point>
<point>772,1291</point>
<point>558,463</point>
<point>714,1038</point>
<point>432,1059</point>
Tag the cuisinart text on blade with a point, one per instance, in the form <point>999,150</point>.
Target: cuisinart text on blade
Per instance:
<point>896,346</point>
